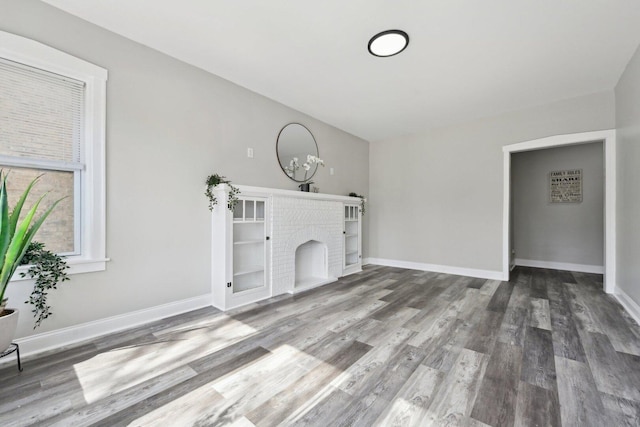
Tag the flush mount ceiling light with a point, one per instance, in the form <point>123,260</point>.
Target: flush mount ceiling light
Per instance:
<point>388,43</point>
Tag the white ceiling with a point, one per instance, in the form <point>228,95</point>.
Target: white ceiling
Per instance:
<point>466,59</point>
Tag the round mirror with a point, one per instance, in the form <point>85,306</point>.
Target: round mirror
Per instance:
<point>295,143</point>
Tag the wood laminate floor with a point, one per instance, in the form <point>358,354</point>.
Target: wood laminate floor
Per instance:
<point>387,347</point>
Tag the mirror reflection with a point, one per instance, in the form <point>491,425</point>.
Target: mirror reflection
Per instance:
<point>295,143</point>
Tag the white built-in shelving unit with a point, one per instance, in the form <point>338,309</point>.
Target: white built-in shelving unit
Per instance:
<point>249,245</point>
<point>352,239</point>
<point>240,249</point>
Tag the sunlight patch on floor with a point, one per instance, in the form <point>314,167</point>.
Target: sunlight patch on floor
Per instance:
<point>116,370</point>
<point>284,362</point>
<point>225,400</point>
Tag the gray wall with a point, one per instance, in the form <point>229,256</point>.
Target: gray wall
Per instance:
<point>437,197</point>
<point>628,168</point>
<point>169,125</point>
<point>558,232</point>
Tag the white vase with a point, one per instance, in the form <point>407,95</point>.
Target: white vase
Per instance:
<point>8,325</point>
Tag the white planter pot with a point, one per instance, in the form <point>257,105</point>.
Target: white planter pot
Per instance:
<point>8,325</point>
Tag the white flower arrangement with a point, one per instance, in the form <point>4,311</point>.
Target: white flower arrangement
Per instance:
<point>294,166</point>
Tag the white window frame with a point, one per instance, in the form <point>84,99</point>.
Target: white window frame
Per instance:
<point>93,189</point>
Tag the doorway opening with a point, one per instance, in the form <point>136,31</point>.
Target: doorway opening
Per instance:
<point>607,139</point>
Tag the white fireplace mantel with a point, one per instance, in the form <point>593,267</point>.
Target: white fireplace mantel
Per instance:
<point>247,189</point>
<point>305,242</point>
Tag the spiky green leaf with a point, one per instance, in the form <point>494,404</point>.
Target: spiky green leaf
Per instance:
<point>15,214</point>
<point>16,245</point>
<point>5,234</point>
<point>14,237</point>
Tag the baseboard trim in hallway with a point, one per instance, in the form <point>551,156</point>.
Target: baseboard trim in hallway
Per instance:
<point>564,266</point>
<point>629,304</point>
<point>435,268</point>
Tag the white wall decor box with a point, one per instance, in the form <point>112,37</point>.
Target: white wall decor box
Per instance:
<point>281,241</point>
<point>565,186</point>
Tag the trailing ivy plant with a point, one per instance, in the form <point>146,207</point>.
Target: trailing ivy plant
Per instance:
<point>48,270</point>
<point>212,182</point>
<point>362,201</point>
<point>16,233</point>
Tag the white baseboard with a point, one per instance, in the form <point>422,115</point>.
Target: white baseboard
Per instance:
<point>469,272</point>
<point>39,343</point>
<point>582,268</point>
<point>630,305</point>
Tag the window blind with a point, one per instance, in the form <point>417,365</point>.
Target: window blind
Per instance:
<point>41,114</point>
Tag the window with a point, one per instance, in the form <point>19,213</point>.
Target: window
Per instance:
<point>52,123</point>
<point>41,120</point>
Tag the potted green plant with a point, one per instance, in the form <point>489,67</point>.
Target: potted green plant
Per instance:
<point>15,236</point>
<point>363,200</point>
<point>48,270</point>
<point>215,180</point>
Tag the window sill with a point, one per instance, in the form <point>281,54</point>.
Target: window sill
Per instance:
<point>76,266</point>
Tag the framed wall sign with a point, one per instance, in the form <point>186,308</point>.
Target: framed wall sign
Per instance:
<point>565,186</point>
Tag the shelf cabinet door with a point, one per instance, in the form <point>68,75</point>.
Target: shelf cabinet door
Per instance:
<point>241,251</point>
<point>250,251</point>
<point>352,261</point>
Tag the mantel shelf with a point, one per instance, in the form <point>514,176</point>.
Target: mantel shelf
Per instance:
<point>265,192</point>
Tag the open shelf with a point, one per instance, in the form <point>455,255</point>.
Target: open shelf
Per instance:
<point>248,270</point>
<point>249,282</point>
<point>249,242</point>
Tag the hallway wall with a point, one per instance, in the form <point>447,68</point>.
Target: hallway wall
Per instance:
<point>569,233</point>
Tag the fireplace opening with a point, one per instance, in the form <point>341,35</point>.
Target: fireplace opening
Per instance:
<point>311,264</point>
